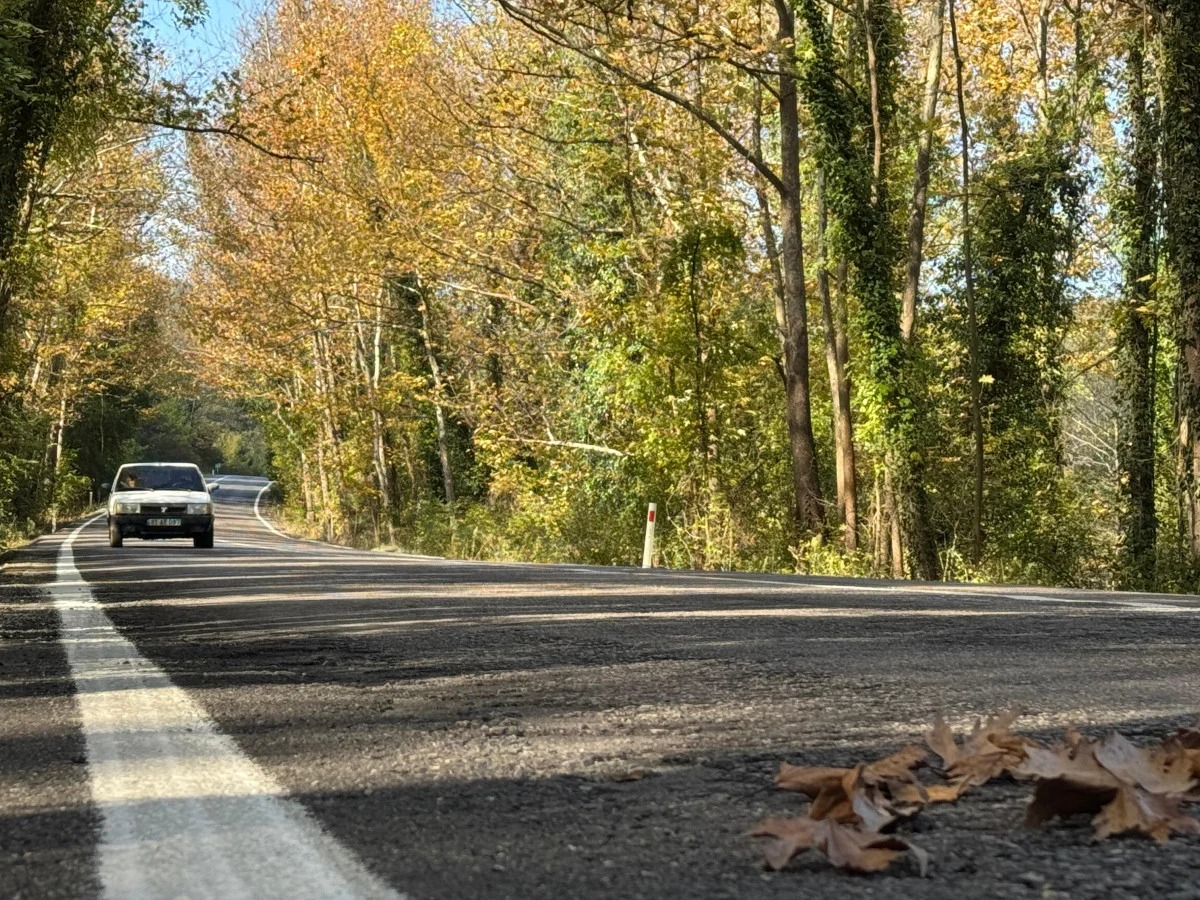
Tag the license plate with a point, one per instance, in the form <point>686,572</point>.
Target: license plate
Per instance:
<point>164,523</point>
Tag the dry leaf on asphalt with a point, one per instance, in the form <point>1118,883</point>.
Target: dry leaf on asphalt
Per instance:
<point>809,780</point>
<point>1126,788</point>
<point>872,801</point>
<point>1069,781</point>
<point>812,780</point>
<point>989,751</point>
<point>862,794</point>
<point>845,846</point>
<point>929,793</point>
<point>1188,737</point>
<point>1135,809</point>
<point>1123,787</point>
<point>1186,743</point>
<point>1157,770</point>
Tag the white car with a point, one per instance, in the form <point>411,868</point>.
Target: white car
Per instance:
<point>160,500</point>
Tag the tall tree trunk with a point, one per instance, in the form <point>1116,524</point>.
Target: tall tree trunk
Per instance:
<point>879,553</point>
<point>367,350</point>
<point>328,460</point>
<point>1179,23</point>
<point>973,364</point>
<point>892,508</point>
<point>904,458</point>
<point>1043,62</point>
<point>435,373</point>
<point>1136,334</point>
<point>839,383</point>
<point>306,487</point>
<point>810,513</point>
<point>766,222</point>
<point>917,208</point>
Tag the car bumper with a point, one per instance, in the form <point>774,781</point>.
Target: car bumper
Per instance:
<point>138,525</point>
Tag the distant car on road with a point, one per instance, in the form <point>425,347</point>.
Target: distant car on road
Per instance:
<point>160,500</point>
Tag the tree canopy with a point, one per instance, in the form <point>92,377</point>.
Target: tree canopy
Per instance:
<point>894,287</point>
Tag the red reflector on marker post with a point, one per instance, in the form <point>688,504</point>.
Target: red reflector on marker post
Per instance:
<point>648,547</point>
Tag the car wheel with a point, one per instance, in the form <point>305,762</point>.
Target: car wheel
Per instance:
<point>114,535</point>
<point>203,540</point>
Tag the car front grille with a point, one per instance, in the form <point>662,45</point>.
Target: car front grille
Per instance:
<point>158,509</point>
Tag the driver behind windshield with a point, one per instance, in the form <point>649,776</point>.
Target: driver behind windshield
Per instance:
<point>160,478</point>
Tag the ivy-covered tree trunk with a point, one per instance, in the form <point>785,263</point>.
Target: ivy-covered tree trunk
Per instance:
<point>1179,24</point>
<point>917,208</point>
<point>968,265</point>
<point>47,49</point>
<point>857,197</point>
<point>1136,337</point>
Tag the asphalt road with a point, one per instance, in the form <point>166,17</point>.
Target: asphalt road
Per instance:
<point>276,717</point>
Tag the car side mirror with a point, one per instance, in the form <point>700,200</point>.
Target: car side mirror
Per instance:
<point>213,488</point>
<point>106,485</point>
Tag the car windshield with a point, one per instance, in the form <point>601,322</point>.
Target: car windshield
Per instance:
<point>159,478</point>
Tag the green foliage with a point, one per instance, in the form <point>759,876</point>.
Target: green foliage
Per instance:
<point>1037,521</point>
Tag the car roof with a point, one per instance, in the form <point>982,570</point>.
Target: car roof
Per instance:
<point>163,464</point>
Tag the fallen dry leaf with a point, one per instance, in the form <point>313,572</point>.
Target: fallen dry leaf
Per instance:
<point>1124,787</point>
<point>987,752</point>
<point>833,803</point>
<point>832,789</point>
<point>812,780</point>
<point>1156,770</point>
<point>915,792</point>
<point>846,846</point>
<point>1069,781</point>
<point>898,765</point>
<point>941,741</point>
<point>789,837</point>
<point>1060,797</point>
<point>872,802</point>
<point>1136,809</point>
<point>1189,737</point>
<point>809,780</point>
<point>1076,764</point>
<point>1186,742</point>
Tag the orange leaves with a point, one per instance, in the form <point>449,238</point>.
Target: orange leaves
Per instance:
<point>854,812</point>
<point>845,846</point>
<point>849,811</point>
<point>987,752</point>
<point>1126,788</point>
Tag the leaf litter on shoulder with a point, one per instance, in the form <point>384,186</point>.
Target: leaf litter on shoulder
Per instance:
<point>854,813</point>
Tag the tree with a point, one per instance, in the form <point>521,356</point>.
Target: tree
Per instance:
<point>1137,338</point>
<point>1178,23</point>
<point>592,31</point>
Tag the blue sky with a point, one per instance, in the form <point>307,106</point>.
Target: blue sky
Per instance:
<point>210,47</point>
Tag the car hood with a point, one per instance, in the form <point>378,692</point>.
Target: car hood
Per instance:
<point>163,497</point>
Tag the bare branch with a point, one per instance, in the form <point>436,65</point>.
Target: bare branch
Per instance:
<point>560,38</point>
<point>223,131</point>
<point>573,445</point>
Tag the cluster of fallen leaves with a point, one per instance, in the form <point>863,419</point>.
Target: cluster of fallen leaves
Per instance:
<point>853,813</point>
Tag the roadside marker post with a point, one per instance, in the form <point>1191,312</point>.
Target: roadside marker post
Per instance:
<point>648,547</point>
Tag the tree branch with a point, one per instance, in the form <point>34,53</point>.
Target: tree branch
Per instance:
<point>557,36</point>
<point>223,131</point>
<point>574,445</point>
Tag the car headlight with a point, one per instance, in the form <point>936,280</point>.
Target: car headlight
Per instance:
<point>199,509</point>
<point>121,508</point>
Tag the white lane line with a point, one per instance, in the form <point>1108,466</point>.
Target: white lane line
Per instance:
<point>1136,605</point>
<point>185,812</point>
<point>259,515</point>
